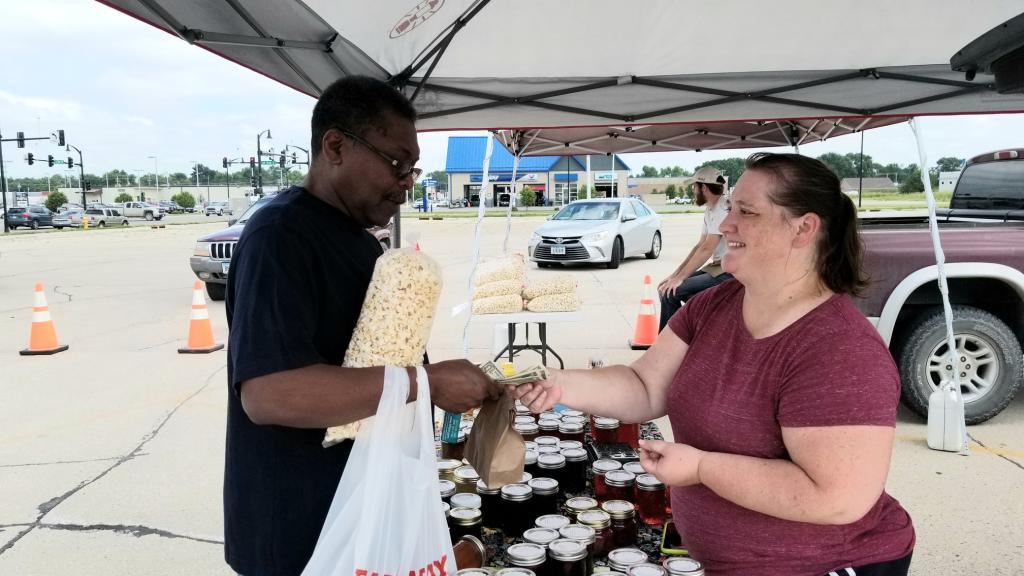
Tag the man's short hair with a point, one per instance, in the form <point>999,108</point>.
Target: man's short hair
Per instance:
<point>357,104</point>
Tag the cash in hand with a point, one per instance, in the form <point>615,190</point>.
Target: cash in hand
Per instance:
<point>532,374</point>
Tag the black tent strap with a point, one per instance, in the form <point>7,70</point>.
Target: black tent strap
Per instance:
<point>288,60</point>
<point>202,37</point>
<point>438,49</point>
<point>928,99</point>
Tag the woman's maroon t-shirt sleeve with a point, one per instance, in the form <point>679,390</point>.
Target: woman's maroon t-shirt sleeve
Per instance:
<point>687,319</point>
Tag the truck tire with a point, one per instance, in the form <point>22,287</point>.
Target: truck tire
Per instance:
<point>991,365</point>
<point>215,291</point>
<point>149,216</point>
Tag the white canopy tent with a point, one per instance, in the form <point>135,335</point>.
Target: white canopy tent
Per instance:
<point>607,76</point>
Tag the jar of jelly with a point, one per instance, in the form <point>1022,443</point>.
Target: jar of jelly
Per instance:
<point>574,476</point>
<point>634,467</point>
<point>549,427</point>
<point>567,558</point>
<point>515,509</point>
<point>576,420</point>
<point>445,507</point>
<point>552,521</point>
<point>465,478</point>
<point>584,534</point>
<point>540,536</point>
<point>546,440</point>
<point>455,451</point>
<point>474,572</point>
<point>605,430</point>
<point>551,414</point>
<point>545,496</point>
<point>530,462</point>
<point>646,569</point>
<point>525,478</point>
<point>526,555</point>
<point>573,506</point>
<point>619,485</point>
<point>650,499</point>
<point>629,434</point>
<point>524,419</point>
<point>600,468</point>
<point>621,559</point>
<point>569,444</point>
<point>552,465</point>
<point>542,450</point>
<point>490,504</point>
<point>528,430</point>
<point>530,445</point>
<point>570,431</point>
<point>623,514</point>
<point>683,567</point>
<point>463,522</point>
<point>447,488</point>
<point>571,413</point>
<point>466,500</point>
<point>517,571</point>
<point>601,522</point>
<point>446,469</point>
<point>470,553</point>
<point>521,409</point>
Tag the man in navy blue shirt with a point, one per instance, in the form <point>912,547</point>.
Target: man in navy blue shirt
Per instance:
<point>298,278</point>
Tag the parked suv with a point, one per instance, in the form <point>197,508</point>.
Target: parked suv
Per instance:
<point>29,217</point>
<point>103,217</point>
<point>142,210</point>
<point>218,208</point>
<point>211,259</point>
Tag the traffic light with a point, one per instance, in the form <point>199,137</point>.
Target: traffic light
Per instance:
<point>281,160</point>
<point>21,139</point>
<point>88,185</point>
<point>49,160</point>
<point>31,159</point>
<point>225,162</point>
<point>71,162</point>
<point>294,159</point>
<point>252,162</point>
<point>60,138</point>
<point>252,181</point>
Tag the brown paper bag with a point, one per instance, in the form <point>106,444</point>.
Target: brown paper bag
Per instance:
<point>494,449</point>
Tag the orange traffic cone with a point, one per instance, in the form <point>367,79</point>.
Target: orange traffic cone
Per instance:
<point>646,321</point>
<point>200,331</point>
<point>43,339</point>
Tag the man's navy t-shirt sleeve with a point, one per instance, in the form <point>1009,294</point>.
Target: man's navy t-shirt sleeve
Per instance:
<point>274,319</point>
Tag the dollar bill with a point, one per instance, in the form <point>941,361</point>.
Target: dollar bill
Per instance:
<point>531,374</point>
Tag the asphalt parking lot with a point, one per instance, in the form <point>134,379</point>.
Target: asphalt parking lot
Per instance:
<point>111,453</point>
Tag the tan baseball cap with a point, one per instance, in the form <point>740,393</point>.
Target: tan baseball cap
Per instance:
<point>706,175</point>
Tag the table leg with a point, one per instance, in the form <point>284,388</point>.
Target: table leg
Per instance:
<point>512,339</point>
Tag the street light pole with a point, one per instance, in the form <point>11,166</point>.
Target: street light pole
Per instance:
<point>259,160</point>
<point>81,173</point>
<point>156,173</point>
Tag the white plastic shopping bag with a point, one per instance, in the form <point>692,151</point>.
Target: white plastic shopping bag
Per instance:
<point>386,517</point>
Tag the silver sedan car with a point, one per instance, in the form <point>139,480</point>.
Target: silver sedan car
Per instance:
<point>605,230</point>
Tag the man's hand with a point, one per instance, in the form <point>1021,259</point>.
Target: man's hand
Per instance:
<point>459,385</point>
<point>673,464</point>
<point>667,286</point>
<point>538,396</point>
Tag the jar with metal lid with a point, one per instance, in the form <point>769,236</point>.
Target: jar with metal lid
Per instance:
<point>456,450</point>
<point>545,496</point>
<point>650,499</point>
<point>634,467</point>
<point>574,476</point>
<point>526,477</point>
<point>540,536</point>
<point>624,528</point>
<point>629,434</point>
<point>619,485</point>
<point>524,419</point>
<point>584,534</point>
<point>683,567</point>
<point>600,468</point>
<point>516,572</point>
<point>490,504</point>
<point>445,507</point>
<point>464,522</point>
<point>528,430</point>
<point>447,488</point>
<point>446,469</point>
<point>526,555</point>
<point>541,450</point>
<point>549,414</point>
<point>576,420</point>
<point>570,431</point>
<point>465,478</point>
<point>552,466</point>
<point>521,408</point>
<point>646,569</point>
<point>552,521</point>
<point>546,440</point>
<point>621,559</point>
<point>605,430</point>
<point>569,444</point>
<point>548,427</point>
<point>474,572</point>
<point>601,522</point>
<point>466,500</point>
<point>530,445</point>
<point>515,509</point>
<point>530,462</point>
<point>470,553</point>
<point>572,413</point>
<point>573,506</point>
<point>567,558</point>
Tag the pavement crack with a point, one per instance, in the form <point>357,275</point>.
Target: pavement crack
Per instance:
<point>132,530</point>
<point>52,503</point>
<point>57,462</point>
<point>158,344</point>
<point>996,453</point>
<point>57,290</point>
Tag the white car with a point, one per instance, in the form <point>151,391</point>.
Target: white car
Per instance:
<point>606,230</point>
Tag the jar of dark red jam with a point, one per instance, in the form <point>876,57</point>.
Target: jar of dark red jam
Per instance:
<point>570,431</point>
<point>605,430</point>
<point>466,500</point>
<point>552,466</point>
<point>584,534</point>
<point>683,567</point>
<point>490,504</point>
<point>621,559</point>
<point>540,536</point>
<point>650,499</point>
<point>516,508</point>
<point>574,476</point>
<point>624,527</point>
<point>567,558</point>
<point>545,496</point>
<point>552,521</point>
<point>601,522</point>
<point>446,469</point>
<point>548,427</point>
<point>629,434</point>
<point>600,468</point>
<point>528,430</point>
<point>619,485</point>
<point>463,522</point>
<point>546,440</point>
<point>526,555</point>
<point>530,462</point>
<point>455,451</point>
<point>573,506</point>
<point>465,478</point>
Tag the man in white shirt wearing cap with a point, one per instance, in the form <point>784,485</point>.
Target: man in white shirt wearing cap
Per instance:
<point>696,273</point>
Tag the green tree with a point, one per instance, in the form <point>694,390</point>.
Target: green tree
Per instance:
<point>732,168</point>
<point>949,164</point>
<point>842,165</point>
<point>442,179</point>
<point>527,197</point>
<point>180,179</point>
<point>206,174</point>
<point>55,200</point>
<point>870,168</point>
<point>123,197</point>
<point>649,172</point>
<point>670,191</point>
<point>912,183</point>
<point>184,199</point>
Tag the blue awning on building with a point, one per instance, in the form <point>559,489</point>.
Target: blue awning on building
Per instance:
<point>466,154</point>
<point>563,177</point>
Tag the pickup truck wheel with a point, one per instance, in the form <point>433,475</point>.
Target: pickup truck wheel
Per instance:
<point>149,216</point>
<point>991,366</point>
<point>103,224</point>
<point>215,291</point>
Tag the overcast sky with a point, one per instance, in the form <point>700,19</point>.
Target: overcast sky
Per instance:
<point>124,91</point>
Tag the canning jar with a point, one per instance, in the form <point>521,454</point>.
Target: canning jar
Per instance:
<point>605,430</point>
<point>552,521</point>
<point>545,496</point>
<point>623,515</point>
<point>521,409</point>
<point>570,431</point>
<point>490,504</point>
<point>552,466</point>
<point>634,467</point>
<point>601,522</point>
<point>546,440</point>
<point>466,500</point>
<point>446,469</point>
<point>574,475</point>
<point>549,427</point>
<point>629,434</point>
<point>600,468</point>
<point>516,572</point>
<point>456,450</point>
<point>571,413</point>
<point>447,488</point>
<point>569,444</point>
<point>541,450</point>
<point>584,534</point>
<point>469,552</point>
<point>524,419</point>
<point>464,522</point>
<point>526,555</point>
<point>465,479</point>
<point>646,569</point>
<point>621,559</point>
<point>619,485</point>
<point>525,478</point>
<point>515,509</point>
<point>683,567</point>
<point>567,558</point>
<point>530,462</point>
<point>528,430</point>
<point>650,499</point>
<point>573,506</point>
<point>540,536</point>
<point>530,445</point>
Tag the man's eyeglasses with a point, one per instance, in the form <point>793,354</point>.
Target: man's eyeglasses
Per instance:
<point>401,169</point>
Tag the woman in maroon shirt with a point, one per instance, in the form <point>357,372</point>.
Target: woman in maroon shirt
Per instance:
<point>782,397</point>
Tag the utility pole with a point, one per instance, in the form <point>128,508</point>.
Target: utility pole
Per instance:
<point>81,177</point>
<point>259,160</point>
<point>20,139</point>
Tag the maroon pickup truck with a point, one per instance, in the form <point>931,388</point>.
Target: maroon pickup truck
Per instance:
<point>982,235</point>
